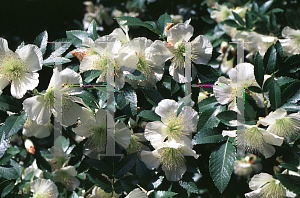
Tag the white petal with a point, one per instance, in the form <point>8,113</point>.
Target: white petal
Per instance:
<point>137,193</point>
<point>201,50</point>
<point>267,150</point>
<point>166,108</point>
<point>187,151</point>
<point>101,117</point>
<point>243,75</point>
<point>36,109</point>
<point>272,117</point>
<point>90,63</point>
<point>27,81</point>
<point>70,112</point>
<point>69,78</point>
<point>158,53</point>
<point>230,133</point>
<point>3,83</point>
<point>190,117</point>
<point>32,56</point>
<point>259,180</point>
<point>253,194</point>
<point>150,158</point>
<point>174,174</point>
<point>85,129</point>
<point>180,33</point>
<point>4,50</point>
<point>177,74</point>
<point>120,35</point>
<point>128,60</point>
<point>271,138</point>
<point>222,90</point>
<point>155,132</point>
<point>122,135</point>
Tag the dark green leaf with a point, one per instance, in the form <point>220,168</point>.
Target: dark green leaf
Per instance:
<point>143,174</point>
<point>101,166</point>
<point>289,64</point>
<point>136,75</point>
<point>99,180</point>
<point>190,187</point>
<point>13,150</point>
<point>41,41</point>
<point>231,23</point>
<point>170,84</point>
<point>275,10</point>
<point>77,36</point>
<point>208,136</point>
<point>9,103</point>
<point>263,8</point>
<point>270,60</point>
<point>272,24</point>
<point>52,61</point>
<point>295,98</point>
<point>16,166</point>
<point>289,167</point>
<point>207,73</point>
<point>9,172</point>
<point>221,165</point>
<point>291,182</point>
<point>149,115</point>
<point>13,124</point>
<point>259,69</point>
<point>254,6</point>
<point>207,103</point>
<point>8,188</point>
<point>238,18</point>
<point>291,107</point>
<point>279,51</point>
<point>92,31</point>
<point>151,95</point>
<point>43,164</point>
<point>226,116</point>
<point>125,165</point>
<point>274,92</point>
<point>131,97</point>
<point>255,89</point>
<point>29,176</point>
<point>249,21</point>
<point>208,118</point>
<point>244,106</point>
<point>282,80</point>
<point>162,22</point>
<point>290,90</point>
<point>88,98</point>
<point>90,75</point>
<point>292,19</point>
<point>4,143</point>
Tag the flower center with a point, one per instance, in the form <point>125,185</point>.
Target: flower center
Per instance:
<point>12,67</point>
<point>251,139</point>
<point>49,97</point>
<point>97,138</point>
<point>143,67</point>
<point>172,158</point>
<point>175,127</point>
<point>286,127</point>
<point>134,145</point>
<point>273,190</point>
<point>179,57</point>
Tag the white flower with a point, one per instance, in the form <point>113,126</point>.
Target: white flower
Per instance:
<point>172,126</point>
<point>261,42</point>
<point>149,58</point>
<point>19,68</point>
<point>121,33</point>
<point>58,158</point>
<point>291,45</point>
<point>137,193</point>
<point>95,129</point>
<point>201,50</point>
<point>227,90</point>
<point>97,192</point>
<point>265,186</point>
<point>254,139</point>
<point>31,128</point>
<point>33,167</point>
<point>39,107</point>
<point>171,156</point>
<point>44,188</point>
<point>66,176</point>
<point>281,124</point>
<point>221,13</point>
<point>246,166</point>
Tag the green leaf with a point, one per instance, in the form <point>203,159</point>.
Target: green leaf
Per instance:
<point>207,73</point>
<point>289,167</point>
<point>9,172</point>
<point>100,166</point>
<point>21,45</point>
<point>208,136</point>
<point>99,180</point>
<point>289,64</point>
<point>143,174</point>
<point>43,164</point>
<point>274,92</point>
<point>41,41</point>
<point>52,61</point>
<point>238,18</point>
<point>125,165</point>
<point>170,84</point>
<point>291,107</point>
<point>272,24</point>
<point>164,194</point>
<point>162,22</point>
<point>263,8</point>
<point>131,97</point>
<point>221,165</point>
<point>13,150</point>
<point>282,80</point>
<point>275,10</point>
<point>4,143</point>
<point>295,98</point>
<point>136,75</point>
<point>190,187</point>
<point>255,89</point>
<point>279,51</point>
<point>77,36</point>
<point>207,103</point>
<point>151,95</point>
<point>208,118</point>
<point>259,69</point>
<point>13,124</point>
<point>290,90</point>
<point>231,23</point>
<point>88,98</point>
<point>291,182</point>
<point>254,7</point>
<point>270,60</point>
<point>149,115</point>
<point>292,19</point>
<point>243,105</point>
<point>29,176</point>
<point>227,116</point>
<point>92,31</point>
<point>9,185</point>
<point>90,75</point>
<point>9,103</point>
<point>17,167</point>
<point>249,21</point>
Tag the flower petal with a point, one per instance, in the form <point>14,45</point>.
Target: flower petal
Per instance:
<point>174,174</point>
<point>155,132</point>
<point>272,117</point>
<point>151,159</point>
<point>259,180</point>
<point>27,81</point>
<point>222,90</point>
<point>201,50</point>
<point>166,108</point>
<point>272,138</point>
<point>180,33</point>
<point>32,56</point>
<point>122,135</point>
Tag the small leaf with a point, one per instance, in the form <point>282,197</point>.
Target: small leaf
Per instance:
<point>207,73</point>
<point>291,107</point>
<point>77,36</point>
<point>270,60</point>
<point>208,136</point>
<point>231,23</point>
<point>13,124</point>
<point>4,143</point>
<point>99,180</point>
<point>221,165</point>
<point>274,92</point>
<point>291,182</point>
<point>149,115</point>
<point>8,188</point>
<point>41,41</point>
<point>208,118</point>
<point>249,21</point>
<point>255,89</point>
<point>92,31</point>
<point>263,8</point>
<point>226,116</point>
<point>9,103</point>
<point>9,172</point>
<point>290,90</point>
<point>143,174</point>
<point>162,22</point>
<point>88,98</point>
<point>289,167</point>
<point>238,18</point>
<point>272,24</point>
<point>90,75</point>
<point>101,166</point>
<point>151,95</point>
<point>190,187</point>
<point>125,165</point>
<point>292,19</point>
<point>136,75</point>
<point>43,164</point>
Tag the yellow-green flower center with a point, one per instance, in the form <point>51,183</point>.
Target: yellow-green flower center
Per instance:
<point>49,97</point>
<point>285,127</point>
<point>12,67</point>
<point>172,158</point>
<point>134,145</point>
<point>179,57</point>
<point>175,127</point>
<point>251,139</point>
<point>97,138</point>
<point>273,190</point>
<point>143,67</point>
